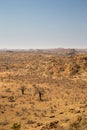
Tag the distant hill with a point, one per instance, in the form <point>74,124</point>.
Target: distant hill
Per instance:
<point>59,51</point>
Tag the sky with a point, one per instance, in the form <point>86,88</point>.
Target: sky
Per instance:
<point>41,24</point>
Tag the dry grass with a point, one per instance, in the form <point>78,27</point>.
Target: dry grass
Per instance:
<point>62,81</point>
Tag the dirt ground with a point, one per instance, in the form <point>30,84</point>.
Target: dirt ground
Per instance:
<point>43,91</point>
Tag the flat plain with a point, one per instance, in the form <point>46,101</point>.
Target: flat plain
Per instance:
<point>43,91</point>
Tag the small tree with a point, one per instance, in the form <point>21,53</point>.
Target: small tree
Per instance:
<point>39,91</point>
<point>23,89</point>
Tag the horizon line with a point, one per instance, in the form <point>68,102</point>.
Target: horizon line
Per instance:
<point>41,48</point>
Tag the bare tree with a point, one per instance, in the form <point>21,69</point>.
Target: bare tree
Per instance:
<point>39,91</point>
<point>23,89</point>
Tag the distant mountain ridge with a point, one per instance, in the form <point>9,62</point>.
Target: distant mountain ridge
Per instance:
<point>60,51</point>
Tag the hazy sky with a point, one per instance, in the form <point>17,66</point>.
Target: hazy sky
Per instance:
<point>43,24</point>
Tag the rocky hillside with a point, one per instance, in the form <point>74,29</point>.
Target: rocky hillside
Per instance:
<point>24,65</point>
<point>43,91</point>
